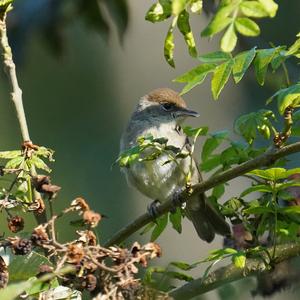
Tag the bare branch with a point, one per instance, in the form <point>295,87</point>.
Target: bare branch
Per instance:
<point>269,157</point>
<point>231,273</point>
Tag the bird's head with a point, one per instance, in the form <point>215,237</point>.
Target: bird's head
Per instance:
<point>164,105</point>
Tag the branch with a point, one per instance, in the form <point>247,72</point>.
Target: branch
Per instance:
<point>10,70</point>
<point>269,157</point>
<point>15,91</point>
<point>231,273</point>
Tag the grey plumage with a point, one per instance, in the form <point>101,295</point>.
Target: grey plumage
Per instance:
<point>159,114</point>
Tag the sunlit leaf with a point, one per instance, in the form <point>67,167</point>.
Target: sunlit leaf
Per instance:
<point>247,27</point>
<point>239,260</point>
<point>169,45</point>
<point>159,11</point>
<point>241,64</point>
<point>229,39</point>
<point>270,6</point>
<point>253,9</point>
<point>214,57</point>
<point>220,77</point>
<point>257,188</point>
<point>196,6</point>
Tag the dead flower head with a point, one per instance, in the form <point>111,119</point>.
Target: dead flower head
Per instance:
<point>80,204</point>
<point>15,224</point>
<point>39,236</point>
<point>91,218</point>
<point>75,253</point>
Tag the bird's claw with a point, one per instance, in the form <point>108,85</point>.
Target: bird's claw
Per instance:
<point>152,209</point>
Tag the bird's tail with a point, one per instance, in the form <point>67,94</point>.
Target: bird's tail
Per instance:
<point>206,219</point>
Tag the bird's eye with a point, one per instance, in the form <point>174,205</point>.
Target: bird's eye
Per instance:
<point>167,106</point>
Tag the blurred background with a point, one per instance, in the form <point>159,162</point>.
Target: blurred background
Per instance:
<point>80,84</point>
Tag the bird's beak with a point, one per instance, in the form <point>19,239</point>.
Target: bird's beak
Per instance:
<point>184,112</point>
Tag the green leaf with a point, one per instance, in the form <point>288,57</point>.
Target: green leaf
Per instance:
<point>247,27</point>
<point>161,224</point>
<point>200,70</point>
<point>239,260</point>
<point>212,143</point>
<point>247,125</point>
<point>274,174</point>
<point>195,76</point>
<point>288,97</point>
<point>214,57</point>
<point>179,276</point>
<point>182,265</point>
<point>10,154</point>
<point>185,28</point>
<point>178,6</point>
<point>147,228</point>
<point>39,286</point>
<point>258,210</point>
<point>270,6</point>
<point>295,47</point>
<point>24,267</point>
<point>150,271</point>
<point>257,188</point>
<point>290,209</point>
<point>190,131</point>
<point>218,191</point>
<point>15,162</point>
<point>253,9</point>
<point>221,19</point>
<point>229,39</point>
<point>261,63</point>
<point>39,163</point>
<point>169,45</point>
<point>175,219</point>
<point>219,253</point>
<point>212,162</point>
<point>241,64</point>
<point>196,6</point>
<point>12,291</point>
<point>220,77</point>
<point>159,11</point>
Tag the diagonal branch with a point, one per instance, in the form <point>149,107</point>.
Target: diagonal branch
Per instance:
<point>269,157</point>
<point>231,273</point>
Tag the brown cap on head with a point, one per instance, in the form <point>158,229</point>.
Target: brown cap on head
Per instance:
<point>166,95</point>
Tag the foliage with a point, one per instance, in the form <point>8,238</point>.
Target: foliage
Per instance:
<point>264,216</point>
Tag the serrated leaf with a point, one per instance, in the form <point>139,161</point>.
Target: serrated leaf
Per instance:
<point>247,27</point>
<point>161,224</point>
<point>253,9</point>
<point>214,57</point>
<point>241,64</point>
<point>175,219</point>
<point>24,267</point>
<point>184,27</point>
<point>159,11</point>
<point>220,77</point>
<point>239,260</point>
<point>261,63</point>
<point>229,39</point>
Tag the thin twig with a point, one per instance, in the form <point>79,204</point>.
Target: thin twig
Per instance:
<point>16,93</point>
<point>265,159</point>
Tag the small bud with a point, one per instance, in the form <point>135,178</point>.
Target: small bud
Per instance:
<point>15,224</point>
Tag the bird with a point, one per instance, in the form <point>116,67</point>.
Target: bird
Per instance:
<point>160,114</point>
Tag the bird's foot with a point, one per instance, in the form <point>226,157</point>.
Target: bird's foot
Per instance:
<point>152,209</point>
<point>177,200</point>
